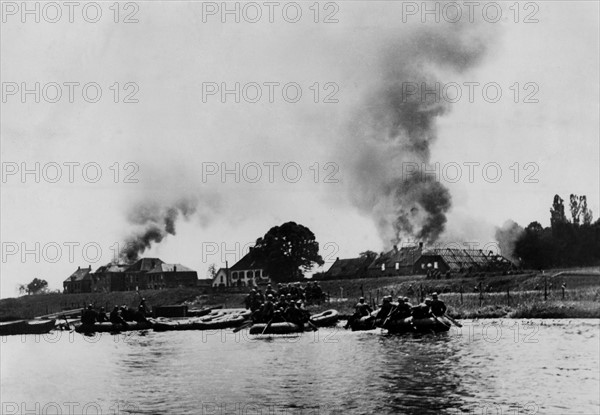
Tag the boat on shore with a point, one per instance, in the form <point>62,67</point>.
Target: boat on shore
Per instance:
<point>215,320</point>
<point>11,328</point>
<point>326,318</point>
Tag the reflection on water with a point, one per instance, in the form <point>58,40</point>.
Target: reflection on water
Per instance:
<point>507,366</point>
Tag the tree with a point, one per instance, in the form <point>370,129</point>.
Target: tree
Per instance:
<point>212,271</point>
<point>557,212</point>
<point>287,251</point>
<point>36,286</point>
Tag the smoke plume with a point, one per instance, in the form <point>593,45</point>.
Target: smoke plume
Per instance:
<point>394,127</point>
<point>507,236</point>
<point>154,221</point>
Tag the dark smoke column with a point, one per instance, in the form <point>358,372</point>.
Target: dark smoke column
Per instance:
<point>395,125</point>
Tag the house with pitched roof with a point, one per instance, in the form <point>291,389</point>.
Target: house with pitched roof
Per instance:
<point>79,282</point>
<point>247,272</point>
<point>395,262</point>
<point>348,268</point>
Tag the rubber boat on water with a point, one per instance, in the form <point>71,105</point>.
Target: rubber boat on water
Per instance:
<point>326,318</point>
<point>276,328</point>
<point>221,322</point>
<point>27,327</point>
<point>112,328</point>
<point>421,325</point>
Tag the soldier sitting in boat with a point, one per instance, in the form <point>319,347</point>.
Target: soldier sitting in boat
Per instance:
<point>268,309</point>
<point>421,310</point>
<point>438,308</point>
<point>88,317</point>
<point>102,316</point>
<point>361,309</point>
<point>116,318</point>
<point>270,290</point>
<point>385,309</point>
<point>403,309</point>
<point>140,314</point>
<point>295,315</point>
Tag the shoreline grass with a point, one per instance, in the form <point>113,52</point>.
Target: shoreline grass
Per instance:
<point>504,296</point>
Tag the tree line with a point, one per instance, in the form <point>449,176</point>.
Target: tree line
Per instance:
<point>567,242</point>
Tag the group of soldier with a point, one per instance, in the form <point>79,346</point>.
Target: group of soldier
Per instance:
<point>399,310</point>
<point>285,304</point>
<point>118,316</point>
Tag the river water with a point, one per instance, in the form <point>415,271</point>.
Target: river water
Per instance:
<point>498,366</point>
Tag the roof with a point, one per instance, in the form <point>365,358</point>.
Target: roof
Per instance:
<point>169,268</point>
<point>112,268</point>
<point>247,262</point>
<point>348,266</point>
<point>79,275</point>
<point>463,258</point>
<point>405,257</point>
<point>144,264</point>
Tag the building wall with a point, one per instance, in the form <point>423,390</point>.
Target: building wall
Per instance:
<point>180,278</point>
<point>247,278</point>
<point>436,261</point>
<point>74,287</point>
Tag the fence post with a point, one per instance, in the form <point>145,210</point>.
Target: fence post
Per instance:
<point>377,300</point>
<point>563,291</point>
<point>507,296</point>
<point>480,294</point>
<point>545,288</point>
<point>461,294</point>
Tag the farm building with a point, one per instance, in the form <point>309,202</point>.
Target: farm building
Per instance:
<point>247,272</point>
<point>171,276</point>
<point>395,262</point>
<point>348,268</point>
<point>108,278</point>
<point>79,282</point>
<point>441,261</point>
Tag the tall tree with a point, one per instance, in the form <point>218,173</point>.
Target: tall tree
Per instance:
<point>287,251</point>
<point>557,212</point>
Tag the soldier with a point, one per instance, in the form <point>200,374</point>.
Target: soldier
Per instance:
<point>438,308</point>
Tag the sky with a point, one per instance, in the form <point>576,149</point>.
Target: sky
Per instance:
<point>162,131</point>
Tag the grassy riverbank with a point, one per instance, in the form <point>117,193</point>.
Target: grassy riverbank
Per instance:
<point>512,296</point>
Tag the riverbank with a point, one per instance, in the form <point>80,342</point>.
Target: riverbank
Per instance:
<point>528,295</point>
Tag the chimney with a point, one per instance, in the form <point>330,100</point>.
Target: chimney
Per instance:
<point>420,245</point>
<point>174,268</point>
<point>395,249</point>
<point>78,268</point>
<point>337,259</point>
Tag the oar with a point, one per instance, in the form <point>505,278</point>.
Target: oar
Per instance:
<point>243,326</point>
<point>267,327</point>
<point>456,323</point>
<point>388,316</point>
<point>67,321</point>
<point>439,321</point>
